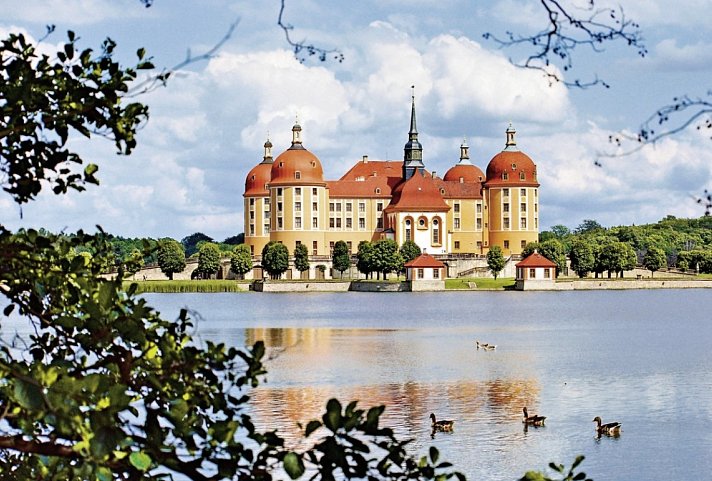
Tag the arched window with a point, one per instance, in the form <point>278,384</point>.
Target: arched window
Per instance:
<point>422,223</point>
<point>522,176</point>
<point>408,230</point>
<point>436,232</point>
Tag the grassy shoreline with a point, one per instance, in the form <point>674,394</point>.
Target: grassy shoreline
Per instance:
<point>210,286</point>
<point>204,286</point>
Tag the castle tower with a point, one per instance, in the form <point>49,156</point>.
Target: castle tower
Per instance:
<point>512,196</point>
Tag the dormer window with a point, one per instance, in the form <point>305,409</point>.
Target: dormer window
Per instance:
<point>505,176</point>
<point>514,166</point>
<point>253,177</point>
<point>522,176</point>
<point>297,175</point>
<point>378,190</point>
<point>442,191</point>
<point>313,163</point>
<point>281,164</point>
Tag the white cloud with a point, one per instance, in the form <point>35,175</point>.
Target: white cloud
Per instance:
<point>67,12</point>
<point>668,56</point>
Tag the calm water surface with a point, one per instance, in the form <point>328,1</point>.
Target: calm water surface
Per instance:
<point>640,357</point>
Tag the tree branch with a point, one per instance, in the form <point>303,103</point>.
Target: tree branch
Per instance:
<point>17,443</point>
<point>565,31</point>
<point>301,47</point>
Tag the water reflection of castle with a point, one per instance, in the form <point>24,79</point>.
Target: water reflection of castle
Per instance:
<point>408,404</point>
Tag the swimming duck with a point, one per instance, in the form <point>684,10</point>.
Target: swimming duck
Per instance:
<point>441,425</point>
<point>486,346</point>
<point>532,420</point>
<point>608,428</point>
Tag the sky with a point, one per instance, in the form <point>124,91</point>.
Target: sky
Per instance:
<point>207,127</point>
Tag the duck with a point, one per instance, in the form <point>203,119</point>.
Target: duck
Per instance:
<point>441,425</point>
<point>610,429</point>
<point>533,420</point>
<point>486,346</point>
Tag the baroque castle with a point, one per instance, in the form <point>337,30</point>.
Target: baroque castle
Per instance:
<point>287,200</point>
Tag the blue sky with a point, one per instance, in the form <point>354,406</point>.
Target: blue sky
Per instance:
<point>208,125</point>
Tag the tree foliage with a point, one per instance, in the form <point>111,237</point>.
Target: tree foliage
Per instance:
<point>530,248</point>
<point>566,474</point>
<point>495,260</point>
<point>44,98</point>
<point>241,260</point>
<point>301,257</point>
<point>386,257</point>
<point>553,250</point>
<point>341,258</point>
<point>654,259</point>
<point>409,250</point>
<point>170,257</point>
<point>364,256</point>
<point>208,259</point>
<point>192,242</point>
<point>235,240</point>
<point>275,259</point>
<point>588,226</point>
<point>582,258</point>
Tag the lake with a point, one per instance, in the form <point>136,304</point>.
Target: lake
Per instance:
<point>643,358</point>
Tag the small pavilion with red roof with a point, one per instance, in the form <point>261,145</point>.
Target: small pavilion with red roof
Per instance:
<point>425,273</point>
<point>535,272</point>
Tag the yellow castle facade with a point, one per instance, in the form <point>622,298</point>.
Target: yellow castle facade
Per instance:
<point>467,211</point>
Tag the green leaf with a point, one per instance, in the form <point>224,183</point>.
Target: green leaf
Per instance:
<point>311,427</point>
<point>434,454</point>
<point>293,465</point>
<point>140,460</point>
<point>332,417</point>
<point>28,395</point>
<point>533,476</point>
<point>104,474</point>
<point>90,170</point>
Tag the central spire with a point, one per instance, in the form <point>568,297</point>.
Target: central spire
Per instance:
<point>413,129</point>
<point>413,151</point>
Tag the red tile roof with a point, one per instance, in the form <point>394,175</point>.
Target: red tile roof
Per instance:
<point>419,193</point>
<point>459,190</point>
<point>513,163</point>
<point>535,260</point>
<point>424,260</point>
<point>374,168</point>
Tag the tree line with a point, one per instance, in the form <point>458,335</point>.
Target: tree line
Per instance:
<point>592,248</point>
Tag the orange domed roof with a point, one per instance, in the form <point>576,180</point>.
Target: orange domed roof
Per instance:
<point>297,166</point>
<point>257,179</point>
<point>466,172</point>
<point>259,176</point>
<point>511,167</point>
<point>419,193</point>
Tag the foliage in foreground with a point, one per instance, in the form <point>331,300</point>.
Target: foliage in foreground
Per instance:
<point>566,474</point>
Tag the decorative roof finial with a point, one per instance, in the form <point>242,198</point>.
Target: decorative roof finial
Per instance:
<point>297,135</point>
<point>464,152</point>
<point>268,150</point>
<point>511,144</point>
